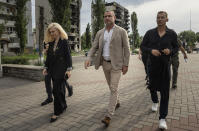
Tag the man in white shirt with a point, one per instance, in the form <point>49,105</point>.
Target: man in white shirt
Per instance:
<point>112,45</point>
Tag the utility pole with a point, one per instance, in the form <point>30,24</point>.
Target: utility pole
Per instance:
<point>1,71</point>
<point>190,19</point>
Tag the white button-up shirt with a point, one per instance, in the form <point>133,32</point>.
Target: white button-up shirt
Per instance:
<point>107,40</point>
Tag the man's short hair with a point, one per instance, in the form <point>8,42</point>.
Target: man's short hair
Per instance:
<point>163,12</point>
<point>111,12</point>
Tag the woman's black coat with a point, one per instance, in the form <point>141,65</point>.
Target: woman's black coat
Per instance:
<point>58,62</point>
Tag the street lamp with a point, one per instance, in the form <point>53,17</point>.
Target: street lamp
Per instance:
<point>1,71</point>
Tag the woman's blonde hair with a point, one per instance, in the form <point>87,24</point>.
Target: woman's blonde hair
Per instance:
<point>48,38</point>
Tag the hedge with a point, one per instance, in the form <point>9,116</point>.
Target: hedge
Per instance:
<point>15,60</point>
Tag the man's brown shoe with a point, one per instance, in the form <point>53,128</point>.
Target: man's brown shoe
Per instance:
<point>106,121</point>
<point>117,106</point>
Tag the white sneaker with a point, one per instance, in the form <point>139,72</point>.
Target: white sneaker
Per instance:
<point>162,124</point>
<point>154,107</point>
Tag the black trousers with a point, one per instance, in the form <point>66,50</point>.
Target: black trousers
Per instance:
<point>59,96</point>
<point>67,85</point>
<point>48,86</point>
<point>164,101</point>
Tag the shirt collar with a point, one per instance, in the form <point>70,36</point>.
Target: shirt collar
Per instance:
<point>111,28</point>
<point>167,30</point>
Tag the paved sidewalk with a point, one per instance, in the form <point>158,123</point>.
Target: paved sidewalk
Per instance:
<point>20,102</point>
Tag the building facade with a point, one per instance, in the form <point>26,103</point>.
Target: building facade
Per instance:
<point>9,39</point>
<point>121,13</point>
<point>44,16</point>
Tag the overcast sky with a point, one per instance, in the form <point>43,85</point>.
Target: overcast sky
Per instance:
<point>179,13</point>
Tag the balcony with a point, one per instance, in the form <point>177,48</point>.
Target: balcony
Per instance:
<point>7,4</point>
<point>73,26</point>
<point>73,3</point>
<point>7,17</point>
<point>13,45</point>
<point>126,15</point>
<point>71,34</point>
<point>118,20</point>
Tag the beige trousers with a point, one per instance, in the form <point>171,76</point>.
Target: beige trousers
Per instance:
<point>112,78</point>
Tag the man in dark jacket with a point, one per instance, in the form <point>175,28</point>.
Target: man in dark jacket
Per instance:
<point>175,64</point>
<point>160,43</point>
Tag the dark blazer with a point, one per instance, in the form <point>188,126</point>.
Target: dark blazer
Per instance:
<point>58,62</point>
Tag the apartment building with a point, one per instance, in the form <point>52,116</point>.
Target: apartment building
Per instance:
<point>121,13</point>
<point>9,39</point>
<point>44,16</point>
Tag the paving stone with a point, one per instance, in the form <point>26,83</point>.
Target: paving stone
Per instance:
<point>20,102</point>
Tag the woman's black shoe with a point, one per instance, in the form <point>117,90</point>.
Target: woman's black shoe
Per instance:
<point>47,101</point>
<point>53,119</point>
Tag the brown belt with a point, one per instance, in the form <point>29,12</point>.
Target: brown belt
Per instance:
<point>107,60</point>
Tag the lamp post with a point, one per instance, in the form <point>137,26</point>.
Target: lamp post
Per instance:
<point>1,71</point>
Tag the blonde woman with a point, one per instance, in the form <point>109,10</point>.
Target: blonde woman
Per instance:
<point>58,65</point>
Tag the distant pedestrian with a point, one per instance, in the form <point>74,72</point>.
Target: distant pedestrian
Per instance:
<point>145,59</point>
<point>58,64</point>
<point>160,43</point>
<point>175,63</point>
<point>112,47</point>
<point>47,80</point>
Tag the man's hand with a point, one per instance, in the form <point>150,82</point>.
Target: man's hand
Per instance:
<point>124,69</point>
<point>87,64</point>
<point>45,72</point>
<point>166,51</point>
<point>139,57</point>
<point>47,46</point>
<point>68,73</point>
<point>155,52</point>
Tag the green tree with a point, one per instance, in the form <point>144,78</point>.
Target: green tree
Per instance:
<point>61,13</point>
<point>88,36</point>
<point>83,40</point>
<point>135,34</point>
<point>2,26</point>
<point>197,36</point>
<point>98,9</point>
<point>188,36</point>
<point>21,22</point>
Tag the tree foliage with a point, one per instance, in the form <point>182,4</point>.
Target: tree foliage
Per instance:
<point>21,22</point>
<point>135,35</point>
<point>188,36</point>
<point>86,38</point>
<point>197,36</point>
<point>98,9</point>
<point>137,42</point>
<point>2,26</point>
<point>61,13</point>
<point>83,40</point>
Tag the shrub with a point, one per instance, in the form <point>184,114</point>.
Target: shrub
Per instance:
<point>15,60</point>
<point>21,59</point>
<point>135,51</point>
